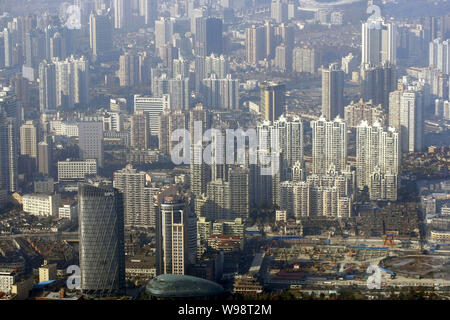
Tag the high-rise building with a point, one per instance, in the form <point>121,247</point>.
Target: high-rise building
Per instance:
<point>439,55</point>
<point>176,237</point>
<point>221,93</point>
<point>377,83</point>
<point>128,70</point>
<point>255,44</point>
<point>200,172</point>
<point>72,82</point>
<point>279,11</point>
<point>356,112</point>
<point>377,151</point>
<point>140,130</point>
<point>379,43</point>
<point>122,14</point>
<point>100,32</point>
<point>178,90</point>
<point>153,107</point>
<point>90,141</point>
<point>8,46</point>
<point>29,140</point>
<point>272,103</point>
<point>9,153</point>
<point>149,10</point>
<point>208,36</point>
<point>406,115</point>
<point>101,233</point>
<point>329,145</point>
<point>45,157</point>
<point>139,209</point>
<point>332,92</point>
<point>47,86</point>
<point>305,60</point>
<point>163,34</point>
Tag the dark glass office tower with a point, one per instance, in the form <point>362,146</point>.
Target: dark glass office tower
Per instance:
<point>101,233</point>
<point>208,37</point>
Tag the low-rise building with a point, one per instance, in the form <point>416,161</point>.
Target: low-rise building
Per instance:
<point>72,170</point>
<point>42,205</point>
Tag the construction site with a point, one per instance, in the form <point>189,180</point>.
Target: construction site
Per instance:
<point>295,262</point>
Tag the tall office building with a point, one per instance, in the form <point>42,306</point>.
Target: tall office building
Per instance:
<point>208,36</point>
<point>439,55</point>
<point>90,141</point>
<point>122,14</point>
<point>140,130</point>
<point>149,10</point>
<point>377,152</point>
<point>379,43</point>
<point>378,82</point>
<point>406,115</point>
<point>8,47</point>
<point>100,34</point>
<point>9,152</point>
<point>255,44</point>
<point>29,140</point>
<point>329,145</point>
<point>200,172</point>
<point>279,11</point>
<point>176,237</point>
<point>47,86</point>
<point>45,157</point>
<point>101,233</point>
<point>272,103</point>
<point>332,92</point>
<point>128,70</point>
<point>163,34</point>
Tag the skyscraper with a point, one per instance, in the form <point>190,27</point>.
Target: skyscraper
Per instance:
<point>47,86</point>
<point>208,36</point>
<point>379,43</point>
<point>153,107</point>
<point>329,145</point>
<point>149,10</point>
<point>406,115</point>
<point>378,82</point>
<point>45,157</point>
<point>101,233</point>
<point>128,70</point>
<point>255,44</point>
<point>72,82</point>
<point>439,55</point>
<point>140,130</point>
<point>9,152</point>
<point>100,28</point>
<point>29,140</point>
<point>332,92</point>
<point>122,14</point>
<point>90,141</point>
<point>221,93</point>
<point>272,103</point>
<point>176,237</point>
<point>163,34</point>
<point>138,198</point>
<point>377,153</point>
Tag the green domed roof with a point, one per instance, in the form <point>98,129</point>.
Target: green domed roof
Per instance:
<point>179,286</point>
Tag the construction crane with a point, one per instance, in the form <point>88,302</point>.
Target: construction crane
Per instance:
<point>389,237</point>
